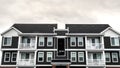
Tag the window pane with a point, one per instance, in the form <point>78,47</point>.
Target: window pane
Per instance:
<point>73,56</point>
<point>73,41</point>
<point>40,56</point>
<point>7,41</point>
<point>41,41</point>
<point>49,41</point>
<point>80,41</point>
<point>80,56</point>
<point>107,56</point>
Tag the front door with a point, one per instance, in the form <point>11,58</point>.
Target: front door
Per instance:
<point>61,46</point>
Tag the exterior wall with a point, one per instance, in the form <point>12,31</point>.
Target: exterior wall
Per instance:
<point>7,63</point>
<point>8,67</point>
<point>10,33</point>
<point>43,67</point>
<point>13,45</point>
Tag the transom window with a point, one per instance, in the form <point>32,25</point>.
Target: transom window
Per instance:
<point>14,55</point>
<point>50,41</point>
<point>7,41</point>
<point>80,56</point>
<point>73,56</point>
<point>7,57</point>
<point>40,56</point>
<point>73,41</point>
<point>107,57</point>
<point>80,41</point>
<point>115,41</point>
<point>114,57</point>
<point>49,56</point>
<point>41,41</point>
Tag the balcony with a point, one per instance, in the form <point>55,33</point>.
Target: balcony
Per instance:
<point>97,62</point>
<point>26,62</point>
<point>27,45</point>
<point>94,46</point>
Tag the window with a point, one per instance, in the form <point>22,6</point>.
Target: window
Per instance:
<point>7,57</point>
<point>49,56</point>
<point>73,41</point>
<point>25,55</point>
<point>7,41</point>
<point>41,41</point>
<point>40,56</point>
<point>80,56</point>
<point>73,56</point>
<point>49,41</point>
<point>80,41</point>
<point>107,57</point>
<point>114,57</point>
<point>14,55</point>
<point>114,41</point>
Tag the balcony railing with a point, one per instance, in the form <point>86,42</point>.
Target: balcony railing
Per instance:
<point>94,46</point>
<point>27,45</point>
<point>26,62</point>
<point>96,62</point>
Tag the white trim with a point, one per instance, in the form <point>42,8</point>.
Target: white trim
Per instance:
<point>14,57</point>
<point>51,56</point>
<point>115,57</point>
<point>10,29</point>
<point>72,39</point>
<point>50,39</point>
<point>41,39</point>
<point>83,34</point>
<point>10,41</point>
<point>108,57</point>
<point>41,34</point>
<point>79,55</point>
<point>43,65</point>
<point>112,65</point>
<point>5,56</point>
<point>75,49</point>
<point>105,30</point>
<point>75,56</point>
<point>80,39</point>
<point>114,41</point>
<point>40,56</point>
<point>77,65</point>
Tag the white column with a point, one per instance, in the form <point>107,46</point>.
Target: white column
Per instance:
<point>36,39</point>
<point>85,42</point>
<point>35,56</point>
<point>86,52</point>
<point>18,57</point>
<point>19,42</point>
<point>102,41</point>
<point>1,53</point>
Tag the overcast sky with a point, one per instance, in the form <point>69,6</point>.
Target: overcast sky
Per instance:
<point>60,11</point>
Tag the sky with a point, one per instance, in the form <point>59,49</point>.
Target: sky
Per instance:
<point>60,11</point>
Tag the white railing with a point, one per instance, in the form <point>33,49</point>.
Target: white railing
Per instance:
<point>94,46</point>
<point>96,62</point>
<point>27,45</point>
<point>26,62</point>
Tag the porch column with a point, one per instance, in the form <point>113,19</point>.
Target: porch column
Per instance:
<point>53,66</point>
<point>67,66</point>
<point>19,42</point>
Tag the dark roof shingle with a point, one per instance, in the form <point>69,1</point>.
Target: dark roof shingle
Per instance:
<point>86,28</point>
<point>35,28</point>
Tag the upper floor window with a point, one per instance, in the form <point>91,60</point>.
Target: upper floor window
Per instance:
<point>7,41</point>
<point>80,56</point>
<point>41,41</point>
<point>114,57</point>
<point>14,55</point>
<point>80,41</point>
<point>107,57</point>
<point>73,41</point>
<point>40,56</point>
<point>49,56</point>
<point>50,41</point>
<point>115,41</point>
<point>73,56</point>
<point>7,57</point>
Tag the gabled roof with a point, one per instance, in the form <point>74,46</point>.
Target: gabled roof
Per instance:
<point>35,28</point>
<point>86,28</point>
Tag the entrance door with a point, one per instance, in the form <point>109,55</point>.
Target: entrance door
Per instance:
<point>61,46</point>
<point>60,66</point>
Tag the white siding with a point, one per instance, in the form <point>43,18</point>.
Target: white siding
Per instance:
<point>111,33</point>
<point>10,33</point>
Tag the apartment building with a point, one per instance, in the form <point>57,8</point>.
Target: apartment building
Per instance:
<point>47,46</point>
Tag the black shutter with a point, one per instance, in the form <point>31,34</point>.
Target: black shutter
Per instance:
<point>14,42</point>
<point>107,42</point>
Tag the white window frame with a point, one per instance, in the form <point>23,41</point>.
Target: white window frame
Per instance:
<point>13,57</point>
<point>49,54</point>
<point>41,56</point>
<point>115,41</point>
<point>9,43</point>
<point>72,39</point>
<point>107,55</point>
<point>80,54</point>
<point>5,56</point>
<point>50,39</point>
<point>41,39</point>
<point>73,56</point>
<point>80,39</point>
<point>114,57</point>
